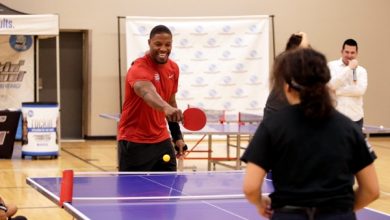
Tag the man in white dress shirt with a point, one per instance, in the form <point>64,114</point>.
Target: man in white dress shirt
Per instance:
<point>349,82</point>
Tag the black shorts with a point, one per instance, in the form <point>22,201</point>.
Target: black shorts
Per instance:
<point>302,213</point>
<point>146,157</point>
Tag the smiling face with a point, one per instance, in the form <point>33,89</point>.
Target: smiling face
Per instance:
<point>160,46</point>
<point>348,53</point>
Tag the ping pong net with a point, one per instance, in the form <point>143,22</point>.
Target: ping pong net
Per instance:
<point>244,118</point>
<point>153,186</point>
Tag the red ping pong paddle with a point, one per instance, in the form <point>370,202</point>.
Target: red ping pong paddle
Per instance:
<point>194,119</point>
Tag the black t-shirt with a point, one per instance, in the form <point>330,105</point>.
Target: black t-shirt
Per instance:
<point>275,102</point>
<point>313,162</point>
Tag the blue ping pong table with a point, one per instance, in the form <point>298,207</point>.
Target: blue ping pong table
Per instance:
<point>162,196</point>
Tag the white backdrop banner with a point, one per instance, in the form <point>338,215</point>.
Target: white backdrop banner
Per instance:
<point>16,70</point>
<point>224,61</point>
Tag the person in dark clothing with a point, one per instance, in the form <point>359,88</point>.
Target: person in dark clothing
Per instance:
<point>276,99</point>
<point>314,151</point>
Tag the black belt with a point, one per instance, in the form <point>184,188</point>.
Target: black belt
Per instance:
<point>311,211</point>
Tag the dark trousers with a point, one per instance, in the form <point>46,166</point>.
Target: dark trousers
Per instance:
<point>146,157</point>
<point>311,214</point>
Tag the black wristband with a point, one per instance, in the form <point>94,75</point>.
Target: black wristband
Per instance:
<point>177,149</point>
<point>174,128</point>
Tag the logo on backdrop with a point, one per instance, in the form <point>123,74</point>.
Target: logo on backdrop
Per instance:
<point>184,43</point>
<point>226,30</point>
<point>173,30</point>
<point>227,81</point>
<point>239,93</point>
<point>212,94</point>
<point>239,42</point>
<point>199,56</point>
<point>199,30</point>
<point>240,68</point>
<point>142,30</point>
<point>226,55</point>
<point>211,43</point>
<point>228,106</point>
<point>20,43</point>
<point>11,72</point>
<point>254,105</point>
<point>185,69</point>
<point>212,69</point>
<point>199,82</point>
<point>253,80</point>
<point>253,55</point>
<point>254,29</point>
<point>185,95</point>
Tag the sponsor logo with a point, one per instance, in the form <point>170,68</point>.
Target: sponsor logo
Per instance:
<point>212,94</point>
<point>199,82</point>
<point>211,43</point>
<point>254,29</point>
<point>227,81</point>
<point>212,69</point>
<point>173,30</point>
<point>253,80</point>
<point>226,30</point>
<point>199,56</point>
<point>157,77</point>
<point>30,113</point>
<point>239,68</point>
<point>140,31</point>
<point>227,106</point>
<point>199,30</point>
<point>11,72</point>
<point>239,42</point>
<point>239,93</point>
<point>184,43</point>
<point>20,43</point>
<point>226,55</point>
<point>253,55</point>
<point>185,69</point>
<point>3,118</point>
<point>184,94</point>
<point>254,104</point>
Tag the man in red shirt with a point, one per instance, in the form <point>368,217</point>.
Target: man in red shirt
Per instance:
<point>151,85</point>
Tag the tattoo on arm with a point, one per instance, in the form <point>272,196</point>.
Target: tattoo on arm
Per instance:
<point>144,93</point>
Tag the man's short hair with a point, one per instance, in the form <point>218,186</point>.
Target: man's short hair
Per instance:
<point>350,42</point>
<point>159,29</point>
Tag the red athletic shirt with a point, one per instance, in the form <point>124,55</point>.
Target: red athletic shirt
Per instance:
<point>139,122</point>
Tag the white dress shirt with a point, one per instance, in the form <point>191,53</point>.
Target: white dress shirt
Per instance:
<point>348,92</point>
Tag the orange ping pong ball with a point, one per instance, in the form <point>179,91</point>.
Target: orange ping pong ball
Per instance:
<point>166,158</point>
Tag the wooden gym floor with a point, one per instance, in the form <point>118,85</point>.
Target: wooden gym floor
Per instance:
<point>101,156</point>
